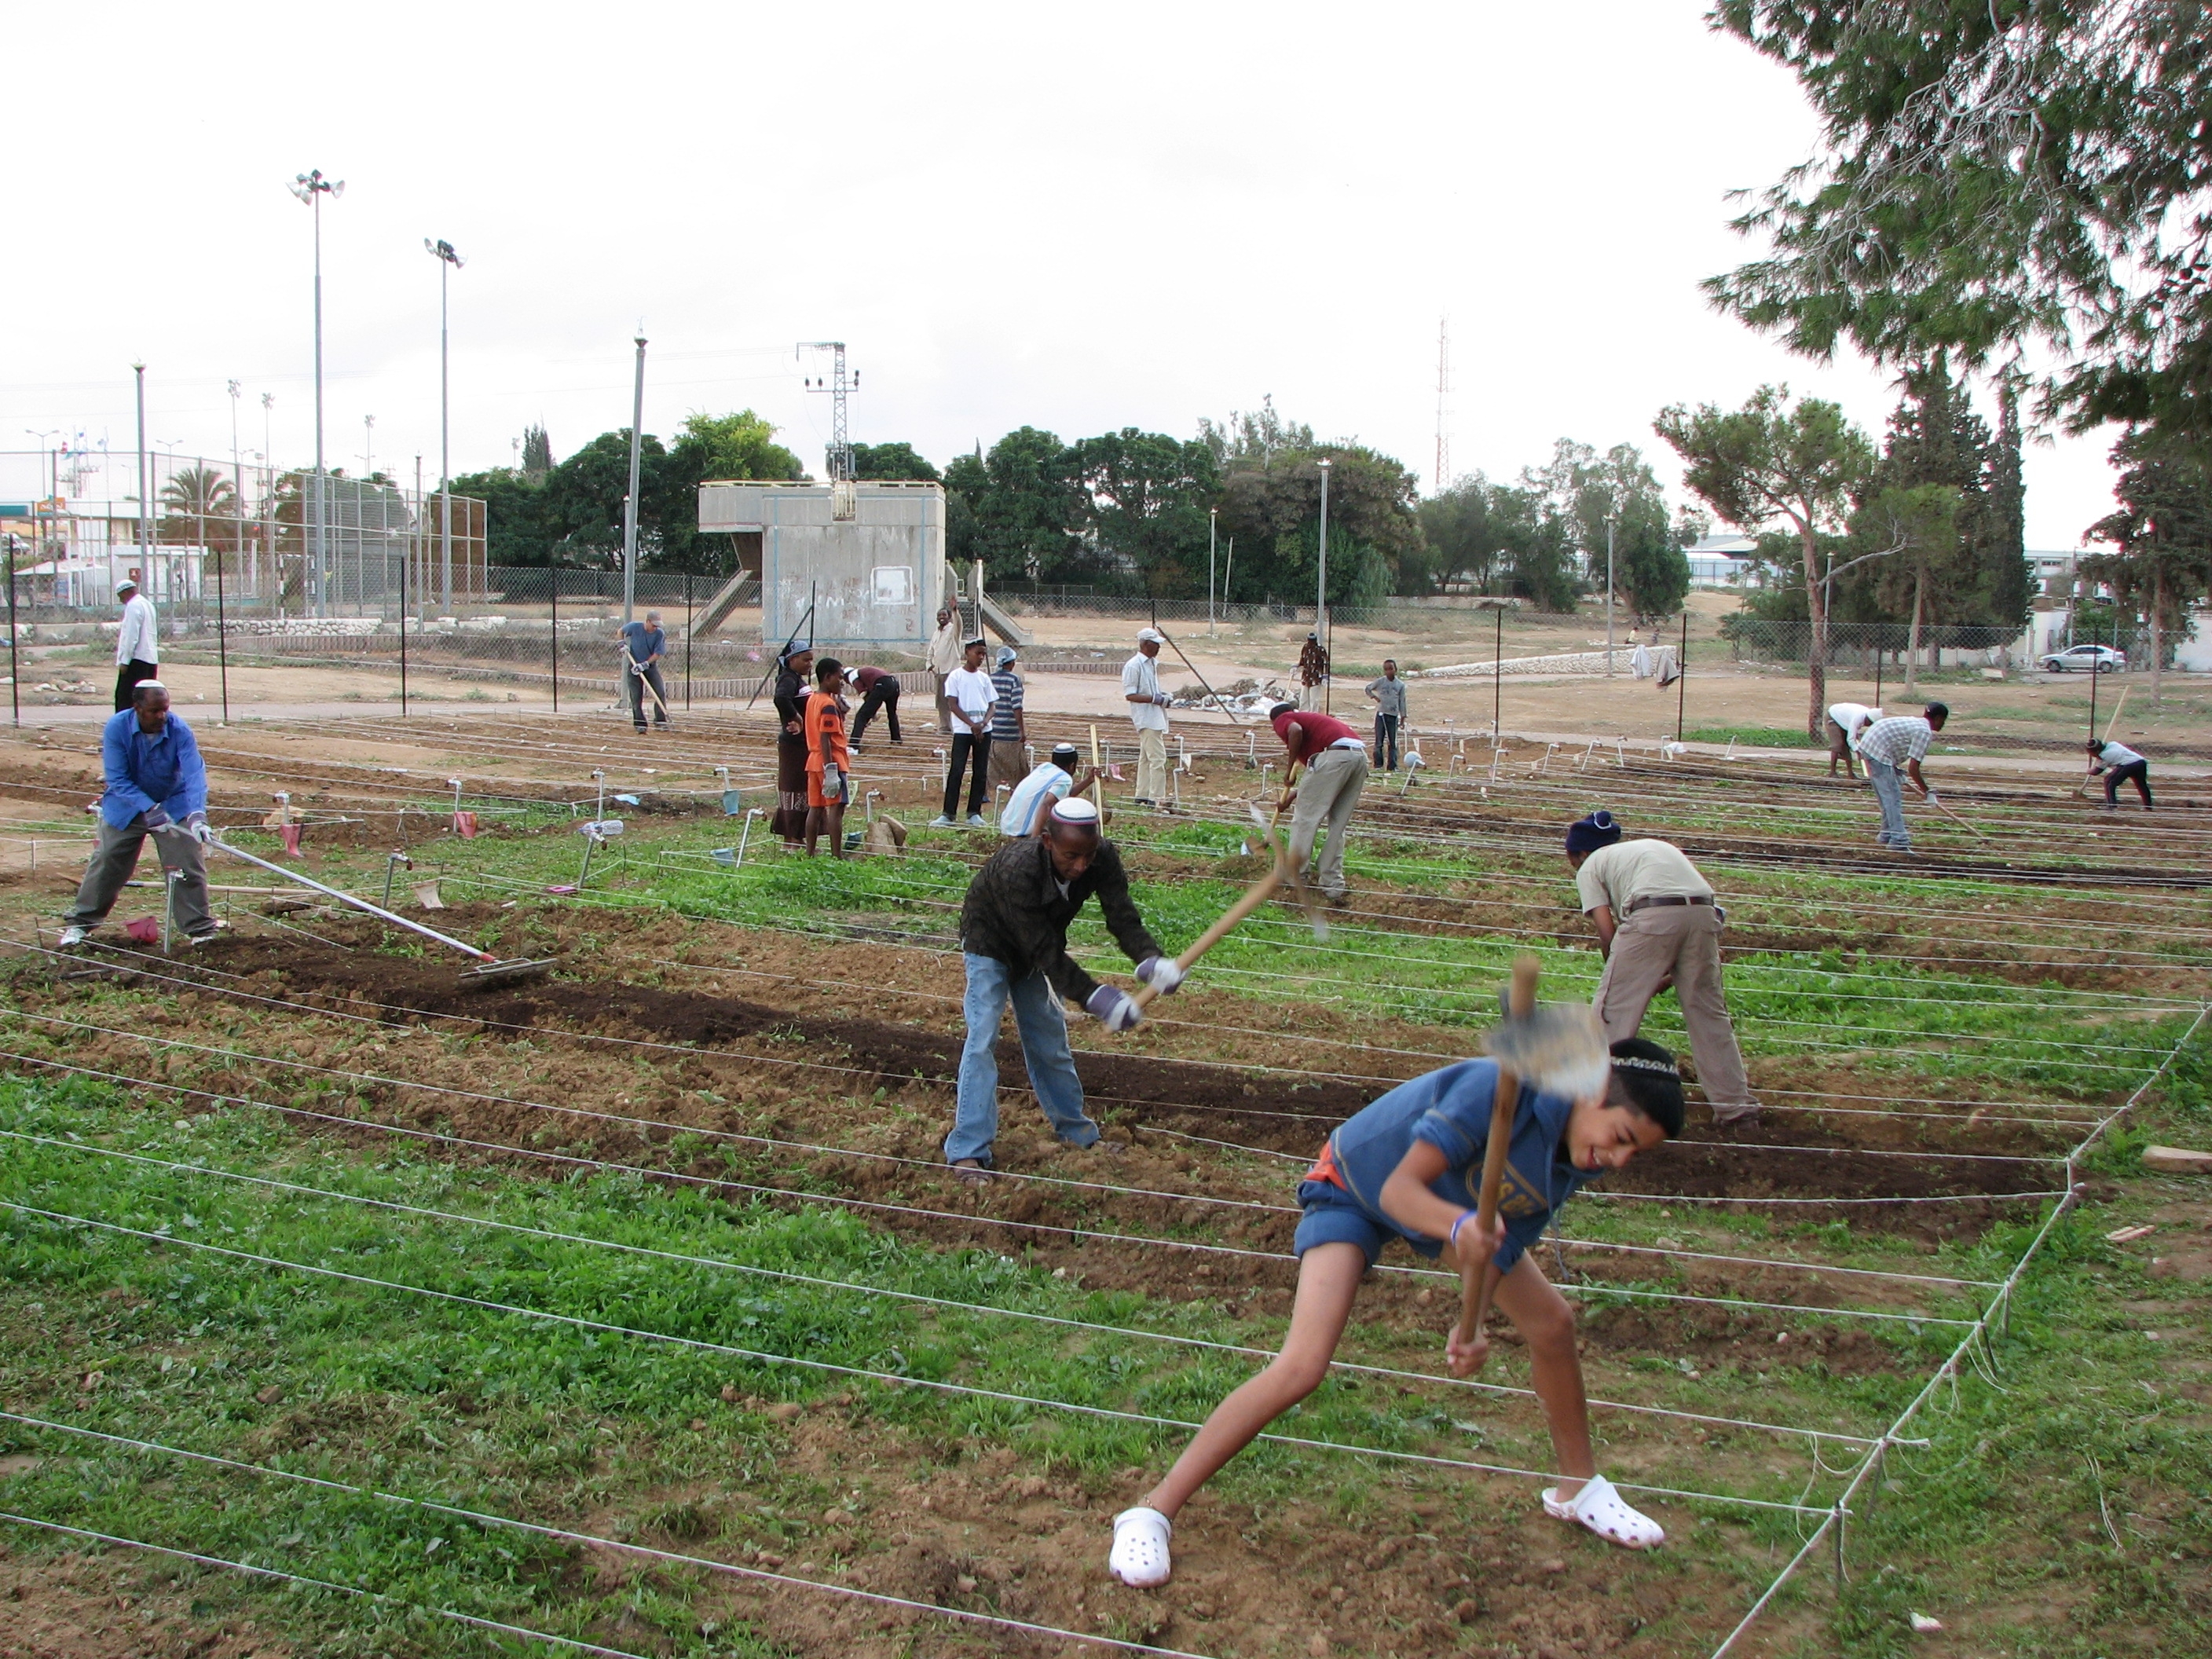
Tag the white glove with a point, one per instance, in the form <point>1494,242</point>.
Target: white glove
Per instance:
<point>833,781</point>
<point>1162,974</point>
<point>1160,698</point>
<point>157,819</point>
<point>1113,1008</point>
<point>198,825</point>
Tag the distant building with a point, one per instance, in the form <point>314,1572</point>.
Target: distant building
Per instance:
<point>1722,561</point>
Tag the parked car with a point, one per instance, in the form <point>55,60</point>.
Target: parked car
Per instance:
<point>2101,657</point>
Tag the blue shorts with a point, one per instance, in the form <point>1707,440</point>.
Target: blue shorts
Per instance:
<point>1333,1216</point>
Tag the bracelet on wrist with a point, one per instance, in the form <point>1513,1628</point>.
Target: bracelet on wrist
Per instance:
<point>1452,1238</point>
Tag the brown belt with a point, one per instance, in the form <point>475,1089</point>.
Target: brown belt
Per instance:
<point>1667,898</point>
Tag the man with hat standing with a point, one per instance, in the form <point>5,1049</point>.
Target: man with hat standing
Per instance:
<point>156,785</point>
<point>1010,727</point>
<point>137,642</point>
<point>1657,925</point>
<point>1013,934</point>
<point>1148,712</point>
<point>1054,780</point>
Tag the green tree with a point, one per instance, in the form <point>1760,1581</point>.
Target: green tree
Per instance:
<point>198,507</point>
<point>1147,495</point>
<point>711,448</point>
<point>584,497</point>
<point>2162,533</point>
<point>1020,509</point>
<point>1591,494</point>
<point>1914,532</point>
<point>537,454</point>
<point>1503,538</point>
<point>1770,461</point>
<point>900,463</point>
<point>1270,501</point>
<point>2010,594</point>
<point>516,529</point>
<point>1994,174</point>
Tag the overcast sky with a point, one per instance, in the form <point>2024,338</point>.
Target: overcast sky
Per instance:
<point>1074,217</point>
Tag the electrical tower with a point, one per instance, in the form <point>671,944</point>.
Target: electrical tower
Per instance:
<point>1441,480</point>
<point>841,447</point>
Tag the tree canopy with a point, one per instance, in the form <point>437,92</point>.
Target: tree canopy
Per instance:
<point>1994,175</point>
<point>2162,534</point>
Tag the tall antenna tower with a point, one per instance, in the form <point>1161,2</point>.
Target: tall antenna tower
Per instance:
<point>1442,481</point>
<point>840,446</point>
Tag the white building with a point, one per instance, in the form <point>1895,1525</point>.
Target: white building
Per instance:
<point>1722,561</point>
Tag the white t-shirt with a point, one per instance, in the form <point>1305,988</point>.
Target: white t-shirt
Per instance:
<point>2117,754</point>
<point>1141,677</point>
<point>1852,716</point>
<point>139,637</point>
<point>970,691</point>
<point>1019,815</point>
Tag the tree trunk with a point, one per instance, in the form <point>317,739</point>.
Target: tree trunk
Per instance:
<point>1912,643</point>
<point>1816,647</point>
<point>2157,631</point>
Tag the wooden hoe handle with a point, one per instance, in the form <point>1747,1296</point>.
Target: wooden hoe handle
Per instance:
<point>1255,896</point>
<point>1475,1283</point>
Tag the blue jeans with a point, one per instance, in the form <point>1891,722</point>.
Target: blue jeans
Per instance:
<point>1044,1030</point>
<point>1889,789</point>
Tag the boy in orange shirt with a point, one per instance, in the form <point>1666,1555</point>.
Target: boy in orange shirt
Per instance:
<point>829,760</point>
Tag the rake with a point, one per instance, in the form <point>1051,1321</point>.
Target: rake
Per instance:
<point>491,970</point>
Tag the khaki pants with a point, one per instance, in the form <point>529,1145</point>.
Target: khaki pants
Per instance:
<point>115,855</point>
<point>1151,764</point>
<point>1009,763</point>
<point>1683,940</point>
<point>1329,790</point>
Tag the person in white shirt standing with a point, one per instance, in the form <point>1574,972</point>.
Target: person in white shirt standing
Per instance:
<point>1891,750</point>
<point>1148,712</point>
<point>968,697</point>
<point>945,654</point>
<point>1847,722</point>
<point>2120,764</point>
<point>138,643</point>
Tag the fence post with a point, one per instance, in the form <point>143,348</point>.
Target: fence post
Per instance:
<point>406,558</point>
<point>1682,676</point>
<point>687,636</point>
<point>554,634</point>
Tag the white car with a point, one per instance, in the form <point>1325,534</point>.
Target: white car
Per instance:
<point>2101,657</point>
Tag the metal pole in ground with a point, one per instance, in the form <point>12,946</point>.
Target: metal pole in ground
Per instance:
<point>1682,676</point>
<point>553,571</point>
<point>2094,677</point>
<point>687,635</point>
<point>1497,676</point>
<point>448,262</point>
<point>1321,599</point>
<point>1609,523</point>
<point>629,502</point>
<point>14,677</point>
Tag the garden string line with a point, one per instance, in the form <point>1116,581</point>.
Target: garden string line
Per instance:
<point>892,1380</point>
<point>248,1568</point>
<point>819,1282</point>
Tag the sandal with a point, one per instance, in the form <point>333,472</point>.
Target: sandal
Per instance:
<point>1599,1507</point>
<point>1139,1558</point>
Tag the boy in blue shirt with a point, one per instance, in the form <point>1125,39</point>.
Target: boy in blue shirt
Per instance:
<point>1409,1166</point>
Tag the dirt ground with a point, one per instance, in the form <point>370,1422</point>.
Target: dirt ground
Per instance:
<point>78,1607</point>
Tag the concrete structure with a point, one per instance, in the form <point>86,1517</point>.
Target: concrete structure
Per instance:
<point>1721,561</point>
<point>871,554</point>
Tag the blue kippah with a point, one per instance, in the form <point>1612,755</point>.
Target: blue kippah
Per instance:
<point>1588,835</point>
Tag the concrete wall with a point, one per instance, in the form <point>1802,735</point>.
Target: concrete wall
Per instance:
<point>876,578</point>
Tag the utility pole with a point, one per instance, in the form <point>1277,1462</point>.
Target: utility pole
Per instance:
<point>1442,481</point>
<point>629,505</point>
<point>840,456</point>
<point>1609,524</point>
<point>449,262</point>
<point>1212,528</point>
<point>269,504</point>
<point>145,540</point>
<point>311,188</point>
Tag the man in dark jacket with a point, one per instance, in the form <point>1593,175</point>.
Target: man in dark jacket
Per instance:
<point>1013,931</point>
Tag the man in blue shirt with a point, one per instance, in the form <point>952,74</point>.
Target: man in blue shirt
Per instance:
<point>1409,1167</point>
<point>156,785</point>
<point>645,645</point>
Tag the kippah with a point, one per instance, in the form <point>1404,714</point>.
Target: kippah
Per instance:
<point>1637,1063</point>
<point>1077,809</point>
<point>147,685</point>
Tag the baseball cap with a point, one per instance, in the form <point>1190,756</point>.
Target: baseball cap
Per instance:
<point>1006,654</point>
<point>125,585</point>
<point>1150,636</point>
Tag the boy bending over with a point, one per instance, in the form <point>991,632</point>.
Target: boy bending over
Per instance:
<point>1409,1166</point>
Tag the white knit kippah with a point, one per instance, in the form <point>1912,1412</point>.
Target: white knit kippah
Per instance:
<point>1077,809</point>
<point>1638,1063</point>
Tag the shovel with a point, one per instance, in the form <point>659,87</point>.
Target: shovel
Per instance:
<point>491,970</point>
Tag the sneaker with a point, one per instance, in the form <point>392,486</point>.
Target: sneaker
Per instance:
<point>976,821</point>
<point>940,822</point>
<point>972,1172</point>
<point>72,937</point>
<point>191,940</point>
<point>1144,800</point>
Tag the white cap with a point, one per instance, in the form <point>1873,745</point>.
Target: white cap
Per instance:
<point>125,585</point>
<point>1077,809</point>
<point>150,685</point>
<point>1150,636</point>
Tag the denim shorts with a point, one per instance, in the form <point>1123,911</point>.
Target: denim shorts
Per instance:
<point>1333,1216</point>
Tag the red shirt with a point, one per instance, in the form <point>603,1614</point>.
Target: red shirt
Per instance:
<point>1316,731</point>
<point>826,717</point>
<point>865,679</point>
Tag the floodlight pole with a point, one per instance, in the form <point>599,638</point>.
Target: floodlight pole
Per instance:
<point>145,544</point>
<point>1320,598</point>
<point>311,187</point>
<point>629,503</point>
<point>448,262</point>
<point>1212,527</point>
<point>1609,523</point>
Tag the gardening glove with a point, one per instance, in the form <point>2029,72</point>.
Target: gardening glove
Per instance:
<point>833,781</point>
<point>1113,1008</point>
<point>1162,974</point>
<point>157,819</point>
<point>197,824</point>
<point>1160,698</point>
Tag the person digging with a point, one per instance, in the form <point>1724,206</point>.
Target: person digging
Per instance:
<point>1657,925</point>
<point>1891,751</point>
<point>157,786</point>
<point>2120,764</point>
<point>1013,937</point>
<point>1336,771</point>
<point>1407,1167</point>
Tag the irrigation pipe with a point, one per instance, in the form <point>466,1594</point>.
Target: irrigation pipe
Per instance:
<point>599,1326</point>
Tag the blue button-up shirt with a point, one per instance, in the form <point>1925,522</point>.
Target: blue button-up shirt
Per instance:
<point>1450,1110</point>
<point>150,769</point>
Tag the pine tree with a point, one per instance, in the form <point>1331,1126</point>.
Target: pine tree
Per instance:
<point>537,454</point>
<point>2008,581</point>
